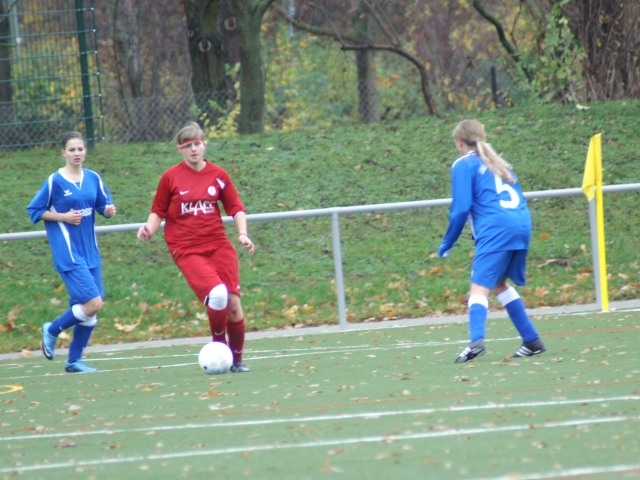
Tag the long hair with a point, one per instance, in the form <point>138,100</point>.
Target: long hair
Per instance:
<point>472,133</point>
<point>190,131</point>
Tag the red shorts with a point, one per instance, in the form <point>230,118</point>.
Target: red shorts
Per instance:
<point>205,270</point>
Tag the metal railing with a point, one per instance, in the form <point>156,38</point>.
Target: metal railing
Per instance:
<point>334,213</point>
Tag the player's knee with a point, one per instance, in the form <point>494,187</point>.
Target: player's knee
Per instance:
<point>218,297</point>
<point>84,319</point>
<point>90,321</point>
<point>508,296</point>
<point>478,299</point>
<point>93,306</point>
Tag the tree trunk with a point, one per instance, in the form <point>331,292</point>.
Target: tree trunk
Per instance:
<point>252,78</point>
<point>609,33</point>
<point>367,93</point>
<point>128,53</point>
<point>209,81</point>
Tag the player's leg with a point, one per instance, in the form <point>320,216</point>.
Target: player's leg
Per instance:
<point>204,280</point>
<point>227,261</point>
<point>217,303</point>
<point>81,286</point>
<point>486,271</point>
<point>508,296</point>
<point>87,297</point>
<point>478,307</point>
<point>236,330</point>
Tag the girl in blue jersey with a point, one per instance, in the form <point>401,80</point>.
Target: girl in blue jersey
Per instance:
<point>67,203</point>
<point>486,191</point>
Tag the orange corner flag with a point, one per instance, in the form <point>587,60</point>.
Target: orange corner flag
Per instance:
<point>593,167</point>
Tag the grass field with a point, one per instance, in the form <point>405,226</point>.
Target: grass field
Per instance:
<point>389,269</point>
<point>360,404</point>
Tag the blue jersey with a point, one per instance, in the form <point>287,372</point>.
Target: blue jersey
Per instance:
<point>72,246</point>
<point>497,211</point>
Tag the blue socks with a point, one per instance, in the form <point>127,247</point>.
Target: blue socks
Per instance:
<point>73,317</point>
<point>518,314</point>
<point>478,308</point>
<point>64,321</point>
<point>81,335</point>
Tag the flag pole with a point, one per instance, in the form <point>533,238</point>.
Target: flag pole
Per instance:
<point>592,188</point>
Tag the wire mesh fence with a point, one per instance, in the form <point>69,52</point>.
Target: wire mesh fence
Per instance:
<point>49,72</point>
<point>51,82</point>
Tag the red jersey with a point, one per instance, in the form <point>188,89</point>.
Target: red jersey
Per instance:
<point>188,202</point>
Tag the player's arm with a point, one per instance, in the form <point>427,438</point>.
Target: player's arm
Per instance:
<point>40,207</point>
<point>146,231</point>
<point>233,206</point>
<point>104,203</point>
<point>240,220</point>
<point>159,208</point>
<point>72,217</point>
<point>461,202</point>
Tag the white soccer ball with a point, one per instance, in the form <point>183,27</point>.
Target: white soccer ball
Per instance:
<point>215,358</point>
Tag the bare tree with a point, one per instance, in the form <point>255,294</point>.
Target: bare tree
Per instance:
<point>222,33</point>
<point>140,42</point>
<point>252,77</point>
<point>362,42</point>
<point>609,33</point>
<point>367,95</point>
<point>211,84</point>
<point>509,46</point>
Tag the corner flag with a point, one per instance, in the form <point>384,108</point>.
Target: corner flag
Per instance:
<point>592,188</point>
<point>593,167</point>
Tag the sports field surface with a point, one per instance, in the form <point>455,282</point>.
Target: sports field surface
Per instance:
<point>376,403</point>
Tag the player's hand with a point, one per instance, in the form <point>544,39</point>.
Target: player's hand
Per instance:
<point>144,233</point>
<point>73,217</point>
<point>110,211</point>
<point>246,241</point>
<point>444,249</point>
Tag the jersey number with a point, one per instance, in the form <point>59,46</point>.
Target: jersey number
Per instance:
<point>514,198</point>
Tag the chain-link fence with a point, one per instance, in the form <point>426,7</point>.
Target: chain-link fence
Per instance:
<point>145,119</point>
<point>50,82</point>
<point>49,72</point>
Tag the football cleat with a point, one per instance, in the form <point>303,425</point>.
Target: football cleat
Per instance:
<point>530,349</point>
<point>48,342</point>
<point>78,367</point>
<point>475,349</point>
<point>239,367</point>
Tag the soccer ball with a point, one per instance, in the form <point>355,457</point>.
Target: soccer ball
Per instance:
<point>215,358</point>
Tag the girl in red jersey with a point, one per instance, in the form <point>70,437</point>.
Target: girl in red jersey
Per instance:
<point>187,199</point>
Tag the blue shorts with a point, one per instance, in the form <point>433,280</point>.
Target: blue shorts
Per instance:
<point>489,269</point>
<point>83,284</point>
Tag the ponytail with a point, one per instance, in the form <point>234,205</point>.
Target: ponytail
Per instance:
<point>472,133</point>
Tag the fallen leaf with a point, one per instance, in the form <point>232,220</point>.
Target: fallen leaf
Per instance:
<point>65,443</point>
<point>126,328</point>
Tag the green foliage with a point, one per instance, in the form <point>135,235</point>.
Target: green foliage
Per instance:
<point>300,76</point>
<point>311,83</point>
<point>388,257</point>
<point>558,71</point>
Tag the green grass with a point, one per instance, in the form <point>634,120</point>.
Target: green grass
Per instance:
<point>373,403</point>
<point>389,267</point>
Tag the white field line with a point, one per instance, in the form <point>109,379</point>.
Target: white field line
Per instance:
<point>574,473</point>
<point>370,415</point>
<point>341,442</point>
<point>259,354</point>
